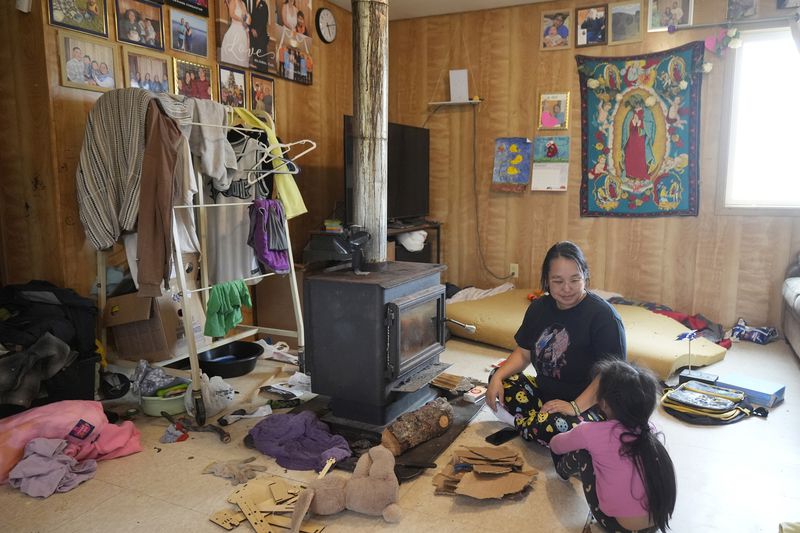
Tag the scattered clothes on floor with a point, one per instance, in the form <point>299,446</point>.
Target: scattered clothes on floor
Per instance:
<point>174,433</point>
<point>82,423</point>
<point>224,308</point>
<point>705,327</point>
<point>45,469</point>
<point>238,470</point>
<point>238,414</point>
<point>764,335</point>
<point>298,441</point>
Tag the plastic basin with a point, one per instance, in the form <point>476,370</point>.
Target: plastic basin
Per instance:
<point>231,360</point>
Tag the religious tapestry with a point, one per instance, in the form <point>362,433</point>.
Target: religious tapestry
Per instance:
<point>640,126</point>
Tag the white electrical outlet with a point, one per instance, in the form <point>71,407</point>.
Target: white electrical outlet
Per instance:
<point>513,269</point>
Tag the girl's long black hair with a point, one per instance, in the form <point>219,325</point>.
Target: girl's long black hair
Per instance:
<point>630,394</point>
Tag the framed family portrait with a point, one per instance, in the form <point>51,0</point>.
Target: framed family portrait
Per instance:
<point>140,22</point>
<point>665,13</point>
<point>556,30</point>
<point>87,63</point>
<point>742,9</point>
<point>193,79</point>
<point>247,31</point>
<point>147,71</point>
<point>199,7</point>
<point>626,22</point>
<point>788,4</point>
<point>591,25</point>
<point>188,33</point>
<point>232,90</point>
<point>262,95</point>
<point>88,16</point>
<point>553,111</point>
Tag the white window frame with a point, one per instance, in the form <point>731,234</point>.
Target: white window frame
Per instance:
<point>725,143</point>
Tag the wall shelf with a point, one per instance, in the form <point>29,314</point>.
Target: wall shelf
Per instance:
<point>468,102</point>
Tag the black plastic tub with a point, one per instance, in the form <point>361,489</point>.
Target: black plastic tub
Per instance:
<point>231,360</point>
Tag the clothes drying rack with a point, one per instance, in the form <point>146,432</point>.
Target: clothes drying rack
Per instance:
<point>243,331</point>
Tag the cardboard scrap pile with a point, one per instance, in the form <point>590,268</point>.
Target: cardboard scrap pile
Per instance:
<point>494,472</point>
<point>267,504</point>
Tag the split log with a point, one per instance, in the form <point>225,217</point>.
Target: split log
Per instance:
<point>416,427</point>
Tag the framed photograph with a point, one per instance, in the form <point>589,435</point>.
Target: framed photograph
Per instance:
<point>788,4</point>
<point>591,26</point>
<point>250,31</point>
<point>147,71</point>
<point>199,7</point>
<point>232,89</point>
<point>88,16</point>
<point>140,22</point>
<point>553,111</point>
<point>556,30</point>
<point>193,79</point>
<point>188,33</point>
<point>262,95</point>
<point>626,22</point>
<point>87,63</point>
<point>742,9</point>
<point>665,13</point>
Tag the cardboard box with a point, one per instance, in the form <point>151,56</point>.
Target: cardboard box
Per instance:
<point>274,307</point>
<point>757,391</point>
<point>152,328</point>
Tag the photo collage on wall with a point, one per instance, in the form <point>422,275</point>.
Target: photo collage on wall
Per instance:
<point>164,47</point>
<point>268,36</point>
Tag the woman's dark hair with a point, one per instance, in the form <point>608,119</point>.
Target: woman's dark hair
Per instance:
<point>630,394</point>
<point>567,250</point>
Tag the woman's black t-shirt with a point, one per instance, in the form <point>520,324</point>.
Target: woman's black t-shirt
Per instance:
<point>565,344</point>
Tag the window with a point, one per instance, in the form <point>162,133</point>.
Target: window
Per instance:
<point>763,150</point>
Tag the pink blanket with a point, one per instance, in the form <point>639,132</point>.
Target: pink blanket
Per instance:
<point>55,421</point>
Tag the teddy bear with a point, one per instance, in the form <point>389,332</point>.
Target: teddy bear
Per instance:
<point>373,489</point>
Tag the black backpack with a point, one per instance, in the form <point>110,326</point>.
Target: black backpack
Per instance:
<point>708,405</point>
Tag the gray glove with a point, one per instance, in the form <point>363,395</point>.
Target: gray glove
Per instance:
<point>238,471</point>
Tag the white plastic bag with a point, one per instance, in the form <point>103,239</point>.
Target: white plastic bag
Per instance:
<point>217,396</point>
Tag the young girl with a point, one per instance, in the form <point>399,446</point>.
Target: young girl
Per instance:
<point>627,474</point>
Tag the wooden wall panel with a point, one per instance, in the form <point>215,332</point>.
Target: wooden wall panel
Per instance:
<point>722,266</point>
<point>42,235</point>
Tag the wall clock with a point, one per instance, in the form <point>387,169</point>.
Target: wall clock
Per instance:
<point>326,25</point>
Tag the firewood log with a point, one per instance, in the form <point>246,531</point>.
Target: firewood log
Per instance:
<point>416,427</point>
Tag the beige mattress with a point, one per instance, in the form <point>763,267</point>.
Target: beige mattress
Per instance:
<point>650,336</point>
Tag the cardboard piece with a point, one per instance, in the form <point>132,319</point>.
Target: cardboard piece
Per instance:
<point>152,328</point>
<point>257,504</point>
<point>485,473</point>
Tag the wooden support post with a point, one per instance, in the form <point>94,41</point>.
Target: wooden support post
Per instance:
<point>371,110</point>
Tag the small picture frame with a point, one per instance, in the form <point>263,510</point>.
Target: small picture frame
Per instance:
<point>663,14</point>
<point>87,62</point>
<point>556,30</point>
<point>86,16</point>
<point>591,26</point>
<point>188,33</point>
<point>193,79</point>
<point>140,22</point>
<point>742,9</point>
<point>147,71</point>
<point>553,111</point>
<point>232,87</point>
<point>788,4</point>
<point>626,22</point>
<point>199,7</point>
<point>262,95</point>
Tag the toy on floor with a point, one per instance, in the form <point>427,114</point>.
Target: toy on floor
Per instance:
<point>373,490</point>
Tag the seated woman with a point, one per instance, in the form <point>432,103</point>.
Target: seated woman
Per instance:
<point>563,334</point>
<point>628,477</point>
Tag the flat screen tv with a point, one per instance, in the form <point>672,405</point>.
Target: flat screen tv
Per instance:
<point>407,195</point>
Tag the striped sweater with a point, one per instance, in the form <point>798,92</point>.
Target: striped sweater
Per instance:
<point>110,167</point>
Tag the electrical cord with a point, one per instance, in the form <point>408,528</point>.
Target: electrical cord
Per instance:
<point>475,192</point>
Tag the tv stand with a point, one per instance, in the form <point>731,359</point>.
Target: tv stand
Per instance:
<point>396,227</point>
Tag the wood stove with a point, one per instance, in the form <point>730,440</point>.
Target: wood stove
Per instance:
<point>373,341</point>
